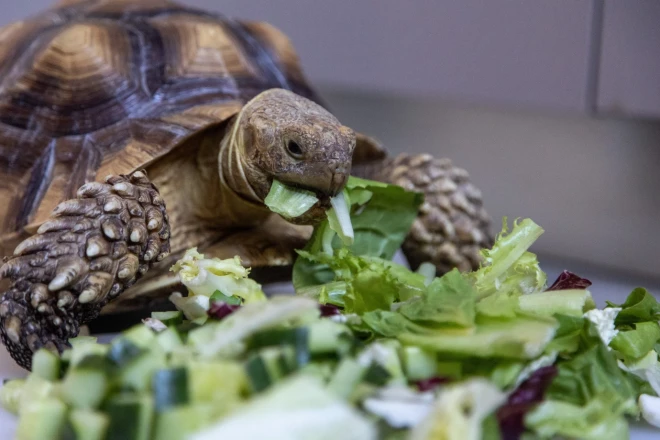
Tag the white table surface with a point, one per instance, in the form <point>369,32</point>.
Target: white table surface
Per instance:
<point>605,286</point>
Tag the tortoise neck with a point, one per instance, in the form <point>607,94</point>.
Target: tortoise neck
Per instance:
<point>239,199</point>
<point>232,166</point>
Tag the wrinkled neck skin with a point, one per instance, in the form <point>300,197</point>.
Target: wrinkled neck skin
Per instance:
<point>239,199</point>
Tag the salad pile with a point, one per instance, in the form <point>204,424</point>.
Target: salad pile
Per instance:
<point>367,349</point>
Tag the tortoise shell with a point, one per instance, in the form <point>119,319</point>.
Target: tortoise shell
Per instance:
<point>95,88</point>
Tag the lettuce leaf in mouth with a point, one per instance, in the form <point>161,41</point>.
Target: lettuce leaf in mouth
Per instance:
<point>289,202</point>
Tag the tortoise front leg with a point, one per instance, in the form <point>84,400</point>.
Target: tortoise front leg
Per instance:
<point>452,225</point>
<point>90,250</point>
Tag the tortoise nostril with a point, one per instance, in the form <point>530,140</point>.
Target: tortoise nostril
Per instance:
<point>294,149</point>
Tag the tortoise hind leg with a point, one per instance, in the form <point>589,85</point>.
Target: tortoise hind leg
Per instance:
<point>452,225</point>
<point>90,250</point>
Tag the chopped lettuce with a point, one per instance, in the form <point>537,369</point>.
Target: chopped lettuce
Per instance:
<point>521,338</point>
<point>381,217</point>
<point>590,396</point>
<point>646,368</point>
<point>288,201</point>
<point>634,344</point>
<point>371,283</point>
<point>566,302</point>
<point>400,406</point>
<point>227,337</point>
<point>527,395</point>
<point>508,265</point>
<point>339,221</point>
<point>601,417</point>
<point>650,409</point>
<point>640,306</point>
<point>459,411</point>
<point>206,276</point>
<point>300,408</point>
<point>449,300</point>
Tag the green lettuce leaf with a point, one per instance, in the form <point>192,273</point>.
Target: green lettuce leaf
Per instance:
<point>508,266</point>
<point>449,300</point>
<point>598,419</point>
<point>640,306</point>
<point>371,283</point>
<point>635,344</point>
<point>520,338</point>
<point>381,216</point>
<point>590,396</point>
<point>289,202</point>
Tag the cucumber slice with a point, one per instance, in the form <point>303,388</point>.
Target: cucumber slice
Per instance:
<point>42,419</point>
<point>348,375</point>
<point>257,373</point>
<point>10,395</point>
<point>123,350</point>
<point>137,373</point>
<point>140,335</point>
<point>169,340</point>
<point>85,385</point>
<point>325,336</point>
<point>89,425</point>
<point>174,317</point>
<point>170,388</point>
<point>419,364</point>
<point>81,347</point>
<point>33,390</point>
<point>276,362</point>
<point>46,364</point>
<point>178,423</point>
<point>377,375</point>
<point>222,382</point>
<point>131,417</point>
<point>295,337</point>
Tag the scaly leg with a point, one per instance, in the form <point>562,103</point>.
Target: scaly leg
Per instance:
<point>90,250</point>
<point>452,225</point>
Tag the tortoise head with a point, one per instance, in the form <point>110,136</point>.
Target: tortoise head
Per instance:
<point>281,135</point>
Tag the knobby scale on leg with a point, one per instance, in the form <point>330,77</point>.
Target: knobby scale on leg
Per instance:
<point>91,249</point>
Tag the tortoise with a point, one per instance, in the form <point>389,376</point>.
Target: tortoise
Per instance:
<point>184,109</point>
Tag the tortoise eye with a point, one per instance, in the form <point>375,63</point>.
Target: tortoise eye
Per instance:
<point>294,150</point>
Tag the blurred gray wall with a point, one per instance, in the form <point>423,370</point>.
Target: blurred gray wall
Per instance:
<point>593,184</point>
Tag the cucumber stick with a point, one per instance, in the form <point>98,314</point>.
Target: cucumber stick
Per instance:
<point>131,417</point>
<point>217,381</point>
<point>419,364</point>
<point>89,425</point>
<point>178,423</point>
<point>168,318</point>
<point>170,388</point>
<point>42,419</point>
<point>85,385</point>
<point>348,375</point>
<point>137,373</point>
<point>46,364</point>
<point>169,339</point>
<point>10,395</point>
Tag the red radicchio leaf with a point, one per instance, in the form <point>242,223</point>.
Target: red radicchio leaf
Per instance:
<point>568,280</point>
<point>220,310</point>
<point>430,383</point>
<point>329,310</point>
<point>511,415</point>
